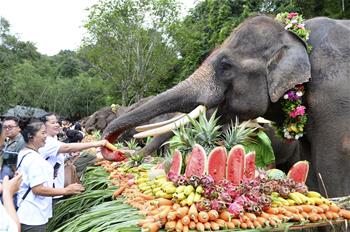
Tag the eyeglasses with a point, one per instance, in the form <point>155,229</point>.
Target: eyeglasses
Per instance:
<point>9,127</point>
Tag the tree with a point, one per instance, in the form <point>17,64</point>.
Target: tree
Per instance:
<point>129,46</point>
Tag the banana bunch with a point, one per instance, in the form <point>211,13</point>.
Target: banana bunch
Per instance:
<point>188,195</point>
<point>278,201</point>
<point>318,198</point>
<point>159,186</point>
<point>310,198</point>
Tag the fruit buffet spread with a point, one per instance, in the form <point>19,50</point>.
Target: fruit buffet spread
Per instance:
<point>209,190</point>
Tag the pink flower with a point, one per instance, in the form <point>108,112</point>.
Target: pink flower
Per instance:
<point>291,15</point>
<point>300,110</point>
<point>301,26</point>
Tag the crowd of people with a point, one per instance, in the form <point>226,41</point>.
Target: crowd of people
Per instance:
<point>33,156</point>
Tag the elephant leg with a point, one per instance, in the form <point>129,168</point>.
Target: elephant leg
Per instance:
<point>152,147</point>
<point>330,156</point>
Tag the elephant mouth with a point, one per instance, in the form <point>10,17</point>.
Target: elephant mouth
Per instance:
<point>154,130</point>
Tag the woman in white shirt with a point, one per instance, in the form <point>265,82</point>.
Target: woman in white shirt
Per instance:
<point>54,150</point>
<point>34,199</point>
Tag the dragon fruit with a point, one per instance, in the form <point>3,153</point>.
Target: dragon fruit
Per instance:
<point>235,208</point>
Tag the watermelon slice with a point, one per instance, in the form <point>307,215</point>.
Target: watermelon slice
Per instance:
<point>299,171</point>
<point>176,163</point>
<point>197,164</point>
<point>217,163</point>
<point>235,164</point>
<point>249,165</point>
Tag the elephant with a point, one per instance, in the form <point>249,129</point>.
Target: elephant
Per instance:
<point>247,76</point>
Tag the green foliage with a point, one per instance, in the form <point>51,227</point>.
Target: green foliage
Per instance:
<point>129,46</point>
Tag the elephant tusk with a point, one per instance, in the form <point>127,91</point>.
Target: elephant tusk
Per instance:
<point>171,126</point>
<point>158,124</point>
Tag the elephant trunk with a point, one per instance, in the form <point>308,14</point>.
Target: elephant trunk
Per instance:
<point>198,89</point>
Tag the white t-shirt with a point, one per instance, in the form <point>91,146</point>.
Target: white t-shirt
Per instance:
<point>34,209</point>
<point>50,153</point>
<point>7,224</point>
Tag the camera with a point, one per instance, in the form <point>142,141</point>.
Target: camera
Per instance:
<point>9,162</point>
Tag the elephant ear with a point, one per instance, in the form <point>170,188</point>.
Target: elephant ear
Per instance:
<point>288,66</point>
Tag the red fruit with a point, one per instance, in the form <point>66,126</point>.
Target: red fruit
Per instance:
<point>217,163</point>
<point>197,164</point>
<point>235,164</point>
<point>176,163</point>
<point>299,171</point>
<point>249,166</point>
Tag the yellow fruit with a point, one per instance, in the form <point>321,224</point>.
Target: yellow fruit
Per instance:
<point>197,197</point>
<point>295,198</point>
<point>199,189</point>
<point>291,202</point>
<point>188,190</point>
<point>180,189</point>
<point>313,194</point>
<point>170,190</point>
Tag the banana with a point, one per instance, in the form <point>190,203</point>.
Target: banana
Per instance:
<point>326,201</point>
<point>313,194</point>
<point>141,180</point>
<point>180,189</point>
<point>190,199</point>
<point>166,195</point>
<point>161,177</point>
<point>311,201</point>
<point>148,192</point>
<point>302,197</point>
<point>283,201</point>
<point>291,202</point>
<point>181,196</point>
<point>295,198</point>
<point>156,189</point>
<point>167,184</point>
<point>183,202</point>
<point>170,190</point>
<point>199,189</point>
<point>318,201</point>
<point>197,197</point>
<point>274,194</point>
<point>188,190</point>
<point>159,193</point>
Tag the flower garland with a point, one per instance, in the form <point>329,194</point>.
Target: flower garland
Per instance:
<point>295,23</point>
<point>294,112</point>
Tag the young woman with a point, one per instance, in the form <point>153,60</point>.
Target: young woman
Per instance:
<point>54,150</point>
<point>34,198</point>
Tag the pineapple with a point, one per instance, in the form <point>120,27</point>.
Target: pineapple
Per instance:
<point>239,134</point>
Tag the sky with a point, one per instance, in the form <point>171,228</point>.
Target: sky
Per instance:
<point>52,25</point>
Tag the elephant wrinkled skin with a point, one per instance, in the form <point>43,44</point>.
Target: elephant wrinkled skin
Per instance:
<point>248,74</point>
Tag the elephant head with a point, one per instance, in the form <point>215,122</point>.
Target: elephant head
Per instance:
<point>243,77</point>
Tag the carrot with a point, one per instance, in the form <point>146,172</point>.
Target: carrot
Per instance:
<point>186,220</point>
<point>288,213</point>
<point>181,212</point>
<point>213,215</point>
<point>192,225</point>
<point>323,216</point>
<point>170,226</point>
<point>262,221</point>
<point>203,216</point>
<point>179,226</point>
<point>257,224</point>
<point>314,217</point>
<point>272,210</point>
<point>295,218</point>
<point>185,229</point>
<point>200,226</point>
<point>272,222</point>
<point>292,209</point>
<point>207,226</point>
<point>164,212</point>
<point>251,216</point>
<point>221,223</point>
<point>244,225</point>
<point>172,216</point>
<point>329,215</point>
<point>175,206</point>
<point>335,215</point>
<point>318,209</point>
<point>214,226</point>
<point>162,201</point>
<point>230,225</point>
<point>119,191</point>
<point>145,221</point>
<point>250,224</point>
<point>225,215</point>
<point>244,218</point>
<point>146,197</point>
<point>308,208</point>
<point>324,207</point>
<point>344,213</point>
<point>305,215</point>
<point>152,227</point>
<point>282,217</point>
<point>236,222</point>
<point>193,212</point>
<point>334,208</point>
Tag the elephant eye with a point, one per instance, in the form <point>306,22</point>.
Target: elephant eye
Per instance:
<point>226,64</point>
